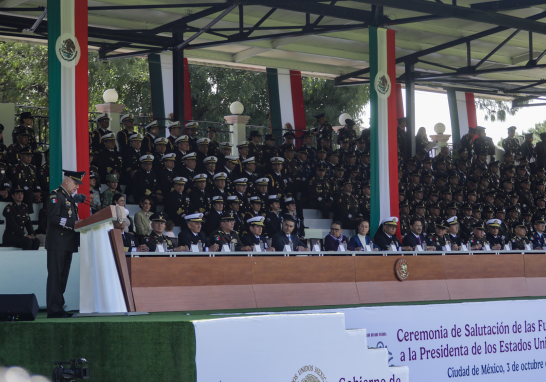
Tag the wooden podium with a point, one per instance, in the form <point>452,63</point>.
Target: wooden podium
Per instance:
<point>104,278</point>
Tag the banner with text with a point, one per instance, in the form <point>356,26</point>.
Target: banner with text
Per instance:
<point>288,348</point>
<point>483,341</point>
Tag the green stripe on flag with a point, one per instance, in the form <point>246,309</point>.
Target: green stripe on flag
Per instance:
<point>274,101</point>
<point>454,114</point>
<point>156,85</point>
<point>54,72</point>
<point>374,135</point>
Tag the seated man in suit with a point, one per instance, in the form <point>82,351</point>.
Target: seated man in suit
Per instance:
<point>130,242</point>
<point>415,236</point>
<point>254,237</point>
<point>194,234</point>
<point>285,236</point>
<point>386,237</point>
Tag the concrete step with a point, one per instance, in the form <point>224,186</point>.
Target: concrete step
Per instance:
<point>318,223</point>
<point>322,233</point>
<point>312,214</point>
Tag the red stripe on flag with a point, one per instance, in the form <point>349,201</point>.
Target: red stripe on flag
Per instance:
<point>393,124</point>
<point>399,102</point>
<point>187,92</point>
<point>297,104</point>
<point>471,109</point>
<point>82,102</point>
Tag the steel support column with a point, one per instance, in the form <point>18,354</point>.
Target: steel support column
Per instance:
<point>178,81</point>
<point>410,110</point>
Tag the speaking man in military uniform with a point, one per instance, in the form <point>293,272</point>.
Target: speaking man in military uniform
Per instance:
<point>61,240</point>
<point>156,241</point>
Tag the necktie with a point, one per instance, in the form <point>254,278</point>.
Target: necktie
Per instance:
<point>419,237</point>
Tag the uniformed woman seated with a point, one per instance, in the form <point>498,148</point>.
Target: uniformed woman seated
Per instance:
<point>17,220</point>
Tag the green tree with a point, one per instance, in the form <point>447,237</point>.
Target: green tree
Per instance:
<point>214,89</point>
<point>495,110</point>
<point>539,128</point>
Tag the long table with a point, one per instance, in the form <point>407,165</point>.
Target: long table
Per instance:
<point>211,281</point>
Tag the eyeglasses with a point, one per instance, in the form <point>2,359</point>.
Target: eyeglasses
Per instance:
<point>335,229</point>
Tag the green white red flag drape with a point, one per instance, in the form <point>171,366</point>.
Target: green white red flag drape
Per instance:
<point>68,92</point>
<point>383,148</point>
<point>462,110</point>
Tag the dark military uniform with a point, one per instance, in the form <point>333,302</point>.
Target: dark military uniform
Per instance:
<point>154,239</point>
<point>176,206</point>
<point>539,241</point>
<point>97,143</point>
<point>510,145</point>
<point>14,153</point>
<point>148,145</point>
<point>200,200</point>
<point>145,184</point>
<point>17,219</point>
<point>473,240</point>
<point>319,195</point>
<point>109,162</point>
<point>122,138</point>
<point>25,176</point>
<point>435,241</point>
<point>220,237</point>
<point>4,180</point>
<point>273,223</point>
<point>61,242</point>
<point>346,210</point>
<point>519,242</point>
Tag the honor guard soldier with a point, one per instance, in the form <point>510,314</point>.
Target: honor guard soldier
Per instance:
<point>160,149</point>
<point>156,241</point>
<point>191,130</point>
<point>346,208</point>
<point>177,203</point>
<point>145,182</point>
<point>278,178</point>
<point>131,160</point>
<point>188,170</point>
<point>199,196</point>
<point>520,239</point>
<point>103,124</point>
<point>174,133</point>
<point>152,131</point>
<point>17,220</point>
<point>240,191</point>
<point>478,240</point>
<point>122,137</point>
<point>226,235</point>
<point>255,238</point>
<point>269,150</point>
<point>61,240</point>
<point>214,146</point>
<point>320,192</point>
<point>511,144</point>
<point>166,175</point>
<point>109,161</point>
<point>324,129</point>
<point>438,240</point>
<point>528,149</point>
<point>537,238</point>
<point>24,175</point>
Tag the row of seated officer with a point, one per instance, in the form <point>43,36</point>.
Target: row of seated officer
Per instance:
<point>225,238</point>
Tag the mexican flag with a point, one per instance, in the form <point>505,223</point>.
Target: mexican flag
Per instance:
<point>462,110</point>
<point>383,149</point>
<point>286,100</point>
<point>68,92</point>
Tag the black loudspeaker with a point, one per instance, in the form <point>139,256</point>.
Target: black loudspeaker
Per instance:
<point>18,307</point>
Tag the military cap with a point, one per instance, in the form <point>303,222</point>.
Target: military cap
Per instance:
<point>366,184</point>
<point>190,156</point>
<point>427,161</point>
<point>220,176</point>
<point>192,125</point>
<point>196,218</point>
<point>519,224</point>
<point>257,220</point>
<point>276,160</point>
<point>243,144</point>
<point>288,135</point>
<point>365,154</point>
<point>344,140</point>
<point>26,150</point>
<point>171,156</point>
<point>240,181</point>
<point>490,193</point>
<point>512,128</point>
<point>477,208</point>
<point>211,129</point>
<point>435,205</point>
<point>403,204</point>
<point>251,160</point>
<point>452,206</point>
<point>180,180</point>
<point>126,117</point>
<point>452,174</point>
<point>173,125</point>
<point>210,160</point>
<point>203,141</point>
<point>479,226</point>
<point>514,195</point>
<point>232,158</point>
<point>462,150</point>
<point>334,153</point>
<point>256,199</point>
<point>92,175</point>
<point>440,161</point>
<point>151,125</point>
<point>473,193</point>
<point>318,116</point>
<point>146,158</point>
<point>339,167</point>
<point>434,193</point>
<point>507,154</point>
<point>489,209</point>
<point>233,199</point>
<point>427,174</point>
<point>529,135</point>
<point>508,179</point>
<point>182,138</point>
<point>538,221</point>
<point>321,167</point>
<point>289,200</point>
<point>76,176</point>
<point>226,144</point>
<point>442,225</point>
<point>269,137</point>
<point>254,133</point>
<point>112,178</point>
<point>161,141</point>
<point>347,181</point>
<point>500,210</point>
<point>452,220</point>
<point>228,215</point>
<point>274,198</point>
<point>393,220</point>
<point>480,128</point>
<point>412,162</point>
<point>303,150</point>
<point>159,217</point>
<point>108,137</point>
<point>262,181</point>
<point>200,178</point>
<point>350,122</point>
<point>467,206</point>
<point>101,117</point>
<point>217,199</point>
<point>447,190</point>
<point>326,138</point>
<point>526,211</point>
<point>495,223</point>
<point>25,115</point>
<point>420,205</point>
<point>135,137</point>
